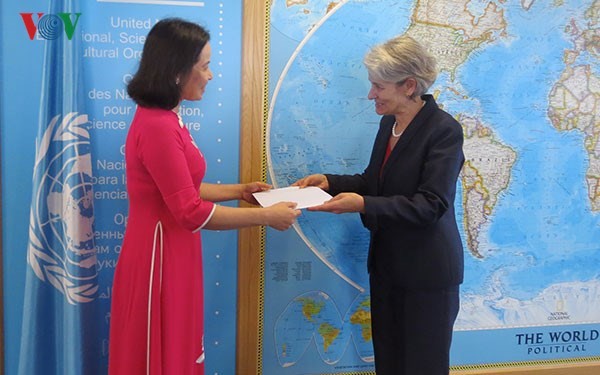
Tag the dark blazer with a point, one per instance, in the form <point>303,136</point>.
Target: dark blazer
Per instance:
<point>409,206</point>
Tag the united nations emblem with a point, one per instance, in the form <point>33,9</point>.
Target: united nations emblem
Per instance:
<point>61,249</point>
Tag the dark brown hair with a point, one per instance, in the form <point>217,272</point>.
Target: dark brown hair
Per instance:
<point>171,49</point>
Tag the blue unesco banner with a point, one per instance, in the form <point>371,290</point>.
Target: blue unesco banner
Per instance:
<point>75,159</point>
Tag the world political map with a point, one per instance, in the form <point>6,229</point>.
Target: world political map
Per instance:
<point>522,79</point>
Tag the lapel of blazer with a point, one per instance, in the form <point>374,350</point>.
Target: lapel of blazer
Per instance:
<point>411,131</point>
<point>380,147</point>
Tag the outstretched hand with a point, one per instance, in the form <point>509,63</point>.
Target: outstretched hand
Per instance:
<point>253,187</point>
<point>342,203</point>
<point>282,215</point>
<point>318,180</point>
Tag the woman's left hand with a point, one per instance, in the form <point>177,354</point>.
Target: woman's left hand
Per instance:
<point>342,203</point>
<point>253,187</point>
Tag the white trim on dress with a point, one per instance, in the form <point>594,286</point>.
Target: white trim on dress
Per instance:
<point>158,231</point>
<point>207,219</point>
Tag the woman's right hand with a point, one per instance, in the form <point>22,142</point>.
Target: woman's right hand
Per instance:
<point>282,215</point>
<point>318,180</point>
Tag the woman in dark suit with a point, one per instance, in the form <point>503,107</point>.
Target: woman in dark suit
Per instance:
<point>405,198</point>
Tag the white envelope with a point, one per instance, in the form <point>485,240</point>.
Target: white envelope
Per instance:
<point>305,197</point>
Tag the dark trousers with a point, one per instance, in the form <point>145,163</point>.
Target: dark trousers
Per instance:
<point>412,329</point>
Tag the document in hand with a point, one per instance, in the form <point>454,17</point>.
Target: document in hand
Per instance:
<point>305,197</point>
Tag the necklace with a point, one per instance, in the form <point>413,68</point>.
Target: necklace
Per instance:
<point>396,123</point>
<point>394,131</point>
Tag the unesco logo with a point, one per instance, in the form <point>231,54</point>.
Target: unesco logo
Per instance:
<point>50,26</point>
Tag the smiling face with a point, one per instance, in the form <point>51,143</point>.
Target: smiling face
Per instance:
<point>194,87</point>
<point>390,98</point>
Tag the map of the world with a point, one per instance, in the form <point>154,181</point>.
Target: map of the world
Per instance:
<point>522,78</point>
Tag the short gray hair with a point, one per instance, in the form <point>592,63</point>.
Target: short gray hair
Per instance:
<point>401,58</point>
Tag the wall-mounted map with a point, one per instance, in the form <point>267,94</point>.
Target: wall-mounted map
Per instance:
<point>522,78</point>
